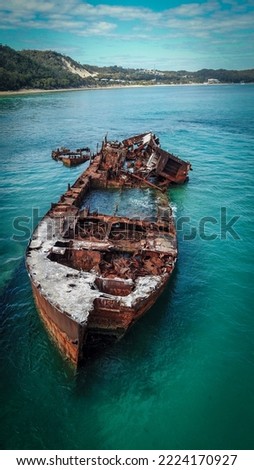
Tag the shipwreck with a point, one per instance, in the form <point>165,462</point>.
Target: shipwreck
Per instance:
<point>71,157</point>
<point>94,273</point>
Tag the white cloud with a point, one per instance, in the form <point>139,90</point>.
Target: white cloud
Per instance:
<point>122,13</point>
<point>100,28</point>
<point>198,20</point>
<point>194,9</point>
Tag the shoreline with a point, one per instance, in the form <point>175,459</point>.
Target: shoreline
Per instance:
<point>110,87</point>
<point>24,91</point>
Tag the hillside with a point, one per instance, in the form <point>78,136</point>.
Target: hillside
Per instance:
<point>50,70</point>
<point>40,69</point>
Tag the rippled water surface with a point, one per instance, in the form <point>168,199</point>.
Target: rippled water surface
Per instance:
<point>182,378</point>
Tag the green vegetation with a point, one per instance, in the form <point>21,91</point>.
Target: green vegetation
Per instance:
<point>171,77</point>
<point>37,69</point>
<point>50,70</point>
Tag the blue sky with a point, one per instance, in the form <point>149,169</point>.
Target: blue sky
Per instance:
<point>167,35</point>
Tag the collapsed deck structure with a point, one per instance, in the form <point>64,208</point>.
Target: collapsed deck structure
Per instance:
<point>94,274</point>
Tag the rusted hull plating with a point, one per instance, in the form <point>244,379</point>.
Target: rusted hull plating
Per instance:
<point>106,325</point>
<point>93,275</point>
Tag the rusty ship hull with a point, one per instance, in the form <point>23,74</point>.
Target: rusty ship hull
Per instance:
<point>93,275</point>
<point>75,160</point>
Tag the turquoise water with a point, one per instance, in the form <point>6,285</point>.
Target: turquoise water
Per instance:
<point>182,378</point>
<point>135,203</point>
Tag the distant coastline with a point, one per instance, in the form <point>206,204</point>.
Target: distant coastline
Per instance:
<point>34,71</point>
<point>30,91</point>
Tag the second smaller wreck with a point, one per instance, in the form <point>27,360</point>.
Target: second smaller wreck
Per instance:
<point>71,157</point>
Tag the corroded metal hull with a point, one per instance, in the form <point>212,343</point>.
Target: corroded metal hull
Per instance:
<point>106,325</point>
<point>75,161</point>
<point>65,331</point>
<point>93,275</point>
